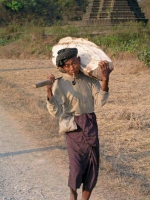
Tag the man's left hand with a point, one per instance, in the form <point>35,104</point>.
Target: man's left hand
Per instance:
<point>104,70</point>
<point>104,73</point>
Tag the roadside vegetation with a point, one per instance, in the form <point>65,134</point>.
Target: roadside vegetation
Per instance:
<point>36,41</point>
<point>26,33</point>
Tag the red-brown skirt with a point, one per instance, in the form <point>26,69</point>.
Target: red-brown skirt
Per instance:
<point>83,152</point>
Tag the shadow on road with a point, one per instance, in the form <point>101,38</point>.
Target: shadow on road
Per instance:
<point>31,151</point>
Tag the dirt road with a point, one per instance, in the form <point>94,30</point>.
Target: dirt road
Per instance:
<point>33,157</point>
<point>26,171</point>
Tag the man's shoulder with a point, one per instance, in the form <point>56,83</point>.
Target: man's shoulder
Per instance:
<point>58,79</point>
<point>57,82</point>
<point>89,78</point>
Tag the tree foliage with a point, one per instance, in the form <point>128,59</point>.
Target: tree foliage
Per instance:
<point>14,5</point>
<point>40,11</point>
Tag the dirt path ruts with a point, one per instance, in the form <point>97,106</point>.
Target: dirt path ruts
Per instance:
<point>33,156</point>
<point>28,171</point>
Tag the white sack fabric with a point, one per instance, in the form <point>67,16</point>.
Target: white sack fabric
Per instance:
<point>89,53</point>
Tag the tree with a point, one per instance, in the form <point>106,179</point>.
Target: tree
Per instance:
<point>40,11</point>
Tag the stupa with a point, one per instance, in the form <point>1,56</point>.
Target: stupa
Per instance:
<point>111,12</point>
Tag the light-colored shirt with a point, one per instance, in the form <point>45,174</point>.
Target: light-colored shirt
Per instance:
<point>73,100</point>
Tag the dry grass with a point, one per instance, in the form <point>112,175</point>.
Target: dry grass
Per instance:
<point>124,123</point>
<point>18,92</point>
<point>125,140</point>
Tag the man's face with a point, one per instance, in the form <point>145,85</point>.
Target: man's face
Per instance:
<point>72,66</point>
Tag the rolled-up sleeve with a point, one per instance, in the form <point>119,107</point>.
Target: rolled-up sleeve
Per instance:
<point>55,104</point>
<point>104,96</point>
<point>54,108</point>
<point>100,96</point>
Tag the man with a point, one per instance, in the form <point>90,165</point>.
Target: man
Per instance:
<point>74,104</point>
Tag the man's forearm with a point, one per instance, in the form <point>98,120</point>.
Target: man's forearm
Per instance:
<point>49,93</point>
<point>104,85</point>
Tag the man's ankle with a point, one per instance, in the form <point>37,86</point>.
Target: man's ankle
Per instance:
<point>73,194</point>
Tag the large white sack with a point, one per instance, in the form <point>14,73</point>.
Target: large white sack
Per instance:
<point>89,53</point>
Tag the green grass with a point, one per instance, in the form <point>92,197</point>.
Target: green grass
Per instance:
<point>133,38</point>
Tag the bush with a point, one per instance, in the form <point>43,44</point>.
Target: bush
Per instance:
<point>145,57</point>
<point>3,42</point>
<point>41,12</point>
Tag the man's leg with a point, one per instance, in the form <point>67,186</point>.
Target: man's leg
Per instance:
<point>73,194</point>
<point>86,195</point>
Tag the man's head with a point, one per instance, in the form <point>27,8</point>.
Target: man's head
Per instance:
<point>68,60</point>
